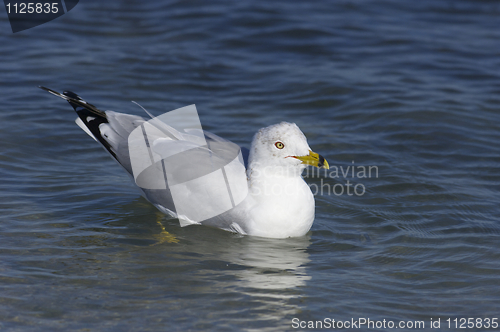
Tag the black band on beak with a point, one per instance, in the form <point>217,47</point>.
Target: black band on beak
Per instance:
<point>321,162</point>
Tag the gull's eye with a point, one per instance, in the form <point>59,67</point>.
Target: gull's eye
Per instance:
<point>279,145</point>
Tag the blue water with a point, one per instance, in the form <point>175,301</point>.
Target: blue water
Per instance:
<point>410,87</point>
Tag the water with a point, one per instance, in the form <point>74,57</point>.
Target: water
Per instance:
<point>409,87</point>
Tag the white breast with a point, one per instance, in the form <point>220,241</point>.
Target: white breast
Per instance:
<point>285,207</point>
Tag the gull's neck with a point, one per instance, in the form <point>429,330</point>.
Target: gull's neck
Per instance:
<point>258,172</point>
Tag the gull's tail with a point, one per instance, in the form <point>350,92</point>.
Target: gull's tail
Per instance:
<point>89,116</point>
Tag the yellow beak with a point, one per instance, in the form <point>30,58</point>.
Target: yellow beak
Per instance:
<point>313,159</point>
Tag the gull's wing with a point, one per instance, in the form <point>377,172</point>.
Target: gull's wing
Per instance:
<point>111,129</point>
<point>186,169</point>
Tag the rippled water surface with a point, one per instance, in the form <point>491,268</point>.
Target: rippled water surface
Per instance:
<point>412,88</point>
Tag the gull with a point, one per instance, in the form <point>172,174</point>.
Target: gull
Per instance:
<point>201,178</point>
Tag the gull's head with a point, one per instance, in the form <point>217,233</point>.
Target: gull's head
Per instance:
<point>283,146</point>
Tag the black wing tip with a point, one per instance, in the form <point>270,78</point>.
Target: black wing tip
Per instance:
<point>75,101</point>
<point>88,113</point>
<point>55,93</point>
<point>68,93</point>
<point>72,95</point>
